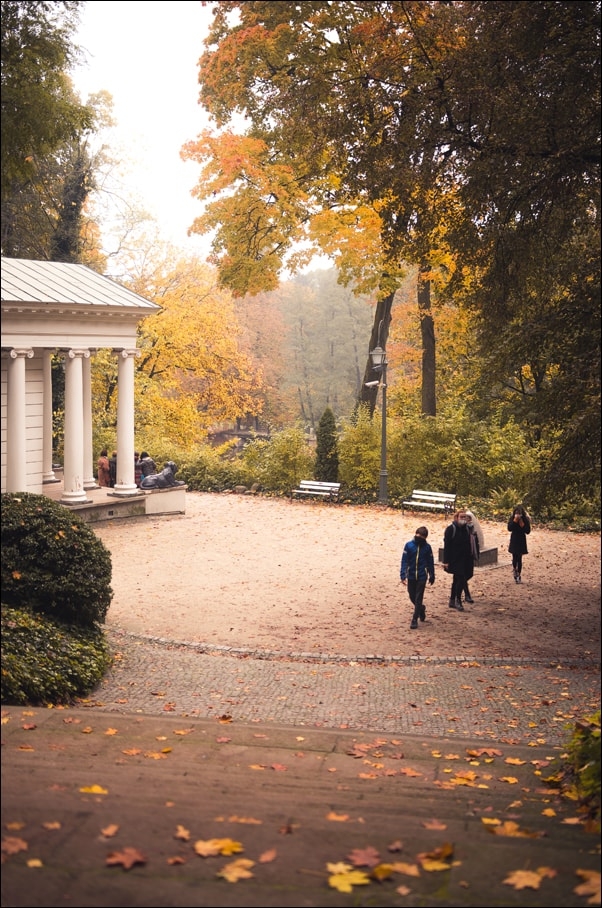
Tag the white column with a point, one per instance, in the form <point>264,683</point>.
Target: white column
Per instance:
<point>89,481</point>
<point>73,492</point>
<point>125,484</point>
<point>16,428</point>
<point>47,450</point>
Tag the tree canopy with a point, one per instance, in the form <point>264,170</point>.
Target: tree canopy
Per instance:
<point>469,132</point>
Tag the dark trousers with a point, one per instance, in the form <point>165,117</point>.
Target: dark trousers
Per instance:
<point>457,587</point>
<point>517,563</point>
<point>416,590</point>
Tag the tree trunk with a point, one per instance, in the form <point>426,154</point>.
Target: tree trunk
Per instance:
<point>378,337</point>
<point>427,331</point>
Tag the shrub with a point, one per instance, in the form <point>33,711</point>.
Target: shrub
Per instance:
<point>327,454</point>
<point>44,662</point>
<point>578,777</point>
<point>52,562</point>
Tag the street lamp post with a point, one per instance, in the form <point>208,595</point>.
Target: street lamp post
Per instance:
<point>379,361</point>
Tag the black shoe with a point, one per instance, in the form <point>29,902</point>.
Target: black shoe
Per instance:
<point>459,605</point>
<point>423,615</point>
<point>413,625</point>
<point>469,600</point>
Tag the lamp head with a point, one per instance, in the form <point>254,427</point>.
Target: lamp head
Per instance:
<point>379,357</point>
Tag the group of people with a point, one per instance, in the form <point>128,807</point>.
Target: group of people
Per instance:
<point>106,468</point>
<point>462,542</point>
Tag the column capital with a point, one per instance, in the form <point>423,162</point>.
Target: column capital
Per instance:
<point>126,352</point>
<point>16,352</point>
<point>76,352</point>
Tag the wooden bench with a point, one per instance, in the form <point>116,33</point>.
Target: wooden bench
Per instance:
<point>328,490</point>
<point>420,499</point>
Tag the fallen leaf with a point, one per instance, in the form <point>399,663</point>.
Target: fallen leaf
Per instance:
<point>337,817</point>
<point>364,857</point>
<point>182,833</point>
<point>13,845</point>
<point>212,847</point>
<point>434,824</point>
<point>94,790</point>
<point>237,870</point>
<point>51,825</point>
<point>268,856</point>
<point>34,862</point>
<point>590,887</point>
<point>407,869</point>
<point>109,831</point>
<point>345,880</point>
<point>128,858</point>
<point>523,879</point>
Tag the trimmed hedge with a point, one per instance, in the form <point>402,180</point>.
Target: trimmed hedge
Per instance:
<point>52,562</point>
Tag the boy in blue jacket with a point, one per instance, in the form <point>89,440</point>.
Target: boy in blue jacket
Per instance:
<point>417,566</point>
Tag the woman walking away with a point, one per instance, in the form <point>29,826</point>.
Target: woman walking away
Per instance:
<point>457,557</point>
<point>519,527</point>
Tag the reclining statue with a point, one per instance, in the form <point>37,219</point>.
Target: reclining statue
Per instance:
<point>166,479</point>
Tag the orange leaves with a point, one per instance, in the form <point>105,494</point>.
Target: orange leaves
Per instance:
<point>213,847</point>
<point>127,858</point>
<point>511,829</point>
<point>590,886</point>
<point>529,879</point>
<point>13,845</point>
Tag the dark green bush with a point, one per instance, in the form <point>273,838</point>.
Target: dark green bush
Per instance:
<point>327,452</point>
<point>44,662</point>
<point>52,562</point>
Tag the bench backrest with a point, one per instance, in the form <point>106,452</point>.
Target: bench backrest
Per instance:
<point>320,486</point>
<point>434,496</point>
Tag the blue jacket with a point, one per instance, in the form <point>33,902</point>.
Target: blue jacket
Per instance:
<point>417,562</point>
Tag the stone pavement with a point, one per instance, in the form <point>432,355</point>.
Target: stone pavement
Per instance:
<point>200,776</point>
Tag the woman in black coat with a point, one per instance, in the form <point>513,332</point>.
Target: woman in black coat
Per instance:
<point>519,527</point>
<point>457,557</point>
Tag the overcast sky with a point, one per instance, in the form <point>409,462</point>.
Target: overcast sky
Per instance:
<point>145,55</point>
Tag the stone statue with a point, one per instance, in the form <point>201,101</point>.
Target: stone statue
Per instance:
<point>166,479</point>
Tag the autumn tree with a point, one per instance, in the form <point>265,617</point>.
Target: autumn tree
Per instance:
<point>191,373</point>
<point>479,116</point>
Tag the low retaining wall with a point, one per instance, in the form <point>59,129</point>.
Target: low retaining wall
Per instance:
<point>166,501</point>
<point>488,556</point>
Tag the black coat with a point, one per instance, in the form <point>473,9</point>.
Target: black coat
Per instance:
<point>518,536</point>
<point>457,550</point>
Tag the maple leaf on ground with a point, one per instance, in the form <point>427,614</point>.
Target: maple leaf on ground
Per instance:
<point>345,880</point>
<point>407,869</point>
<point>237,870</point>
<point>512,829</point>
<point>109,831</point>
<point>128,858</point>
<point>523,879</point>
<point>13,845</point>
<point>182,833</point>
<point>364,857</point>
<point>213,847</point>
<point>590,887</point>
